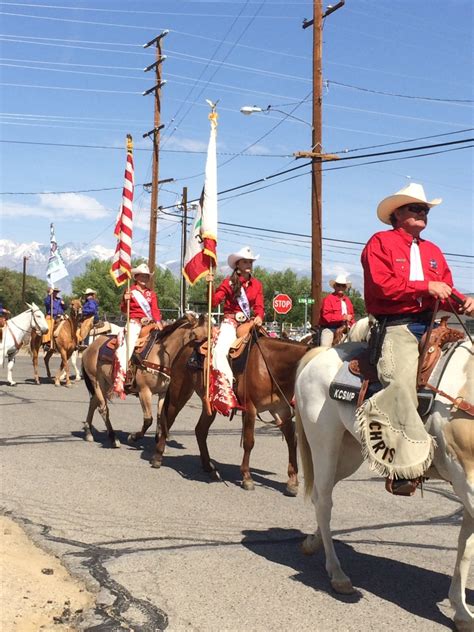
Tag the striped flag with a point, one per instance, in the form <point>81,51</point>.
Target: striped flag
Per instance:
<point>201,248</point>
<point>122,261</point>
<point>56,269</point>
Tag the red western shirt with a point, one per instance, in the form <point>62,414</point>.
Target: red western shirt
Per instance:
<point>136,312</point>
<point>331,310</point>
<point>253,289</point>
<point>386,263</point>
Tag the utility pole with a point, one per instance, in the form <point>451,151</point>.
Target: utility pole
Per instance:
<point>184,233</point>
<point>155,134</point>
<point>316,154</point>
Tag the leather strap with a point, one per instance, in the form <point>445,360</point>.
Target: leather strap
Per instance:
<point>17,344</point>
<point>459,402</point>
<point>156,367</point>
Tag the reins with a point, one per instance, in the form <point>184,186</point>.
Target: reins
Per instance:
<point>272,377</point>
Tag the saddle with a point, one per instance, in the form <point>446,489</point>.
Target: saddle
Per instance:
<point>430,353</point>
<point>236,352</point>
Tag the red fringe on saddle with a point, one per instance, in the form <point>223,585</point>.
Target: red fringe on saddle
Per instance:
<point>221,394</point>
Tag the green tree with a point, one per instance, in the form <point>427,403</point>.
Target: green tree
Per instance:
<point>357,302</point>
<point>97,276</point>
<point>11,288</point>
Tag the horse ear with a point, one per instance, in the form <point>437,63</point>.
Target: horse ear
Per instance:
<point>30,306</point>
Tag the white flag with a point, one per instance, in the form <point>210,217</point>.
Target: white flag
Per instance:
<point>56,268</point>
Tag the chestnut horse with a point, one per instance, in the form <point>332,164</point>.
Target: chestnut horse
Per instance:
<point>98,374</point>
<point>265,384</point>
<point>64,341</point>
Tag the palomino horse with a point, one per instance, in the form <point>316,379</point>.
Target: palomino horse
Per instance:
<point>15,330</point>
<point>64,341</point>
<point>330,451</point>
<point>98,375</point>
<point>266,384</point>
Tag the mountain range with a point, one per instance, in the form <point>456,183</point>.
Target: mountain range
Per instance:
<point>76,256</point>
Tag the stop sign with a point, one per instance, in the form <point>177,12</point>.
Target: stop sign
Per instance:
<point>282,303</point>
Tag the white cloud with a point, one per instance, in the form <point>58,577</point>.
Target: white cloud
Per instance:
<point>71,206</point>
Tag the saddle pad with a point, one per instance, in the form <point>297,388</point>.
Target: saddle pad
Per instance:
<point>345,386</point>
<point>106,354</point>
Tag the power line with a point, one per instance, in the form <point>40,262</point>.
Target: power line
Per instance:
<point>171,151</point>
<point>280,173</point>
<point>395,94</point>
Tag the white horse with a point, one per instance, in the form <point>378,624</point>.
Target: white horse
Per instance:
<point>330,451</point>
<point>15,330</point>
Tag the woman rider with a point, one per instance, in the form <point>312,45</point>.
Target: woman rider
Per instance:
<point>242,295</point>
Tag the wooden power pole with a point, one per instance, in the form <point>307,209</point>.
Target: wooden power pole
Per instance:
<point>316,154</point>
<point>155,134</point>
<point>184,234</point>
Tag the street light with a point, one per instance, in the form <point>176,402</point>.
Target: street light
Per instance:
<point>254,109</point>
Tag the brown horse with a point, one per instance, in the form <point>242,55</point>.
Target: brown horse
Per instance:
<point>98,375</point>
<point>265,384</point>
<point>64,341</point>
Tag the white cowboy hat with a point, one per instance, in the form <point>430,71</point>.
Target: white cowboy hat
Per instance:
<point>243,253</point>
<point>411,194</point>
<point>89,291</point>
<point>341,279</point>
<point>141,269</point>
<point>56,289</point>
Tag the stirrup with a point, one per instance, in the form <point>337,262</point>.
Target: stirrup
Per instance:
<point>402,486</point>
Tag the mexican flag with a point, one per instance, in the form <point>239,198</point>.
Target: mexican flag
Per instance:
<point>202,241</point>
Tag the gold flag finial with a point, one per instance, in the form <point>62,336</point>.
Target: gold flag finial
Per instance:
<point>129,143</point>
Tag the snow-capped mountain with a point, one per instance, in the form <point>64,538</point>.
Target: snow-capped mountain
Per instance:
<point>75,258</point>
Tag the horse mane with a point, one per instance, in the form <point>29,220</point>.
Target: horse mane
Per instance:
<point>359,332</point>
<point>467,391</point>
<point>180,322</point>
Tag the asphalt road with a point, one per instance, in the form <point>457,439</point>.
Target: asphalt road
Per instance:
<point>168,549</point>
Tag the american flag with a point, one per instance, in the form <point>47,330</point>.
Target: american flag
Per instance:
<point>122,261</point>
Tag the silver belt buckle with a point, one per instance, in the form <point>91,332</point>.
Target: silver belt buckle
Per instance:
<point>240,317</point>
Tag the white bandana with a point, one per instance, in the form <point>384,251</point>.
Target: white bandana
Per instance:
<point>343,307</point>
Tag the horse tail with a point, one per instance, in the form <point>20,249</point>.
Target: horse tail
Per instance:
<point>87,380</point>
<point>305,453</point>
<point>303,445</point>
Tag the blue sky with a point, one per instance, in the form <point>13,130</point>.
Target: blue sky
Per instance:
<point>72,73</point>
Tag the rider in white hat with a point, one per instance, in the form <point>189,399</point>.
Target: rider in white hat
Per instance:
<point>143,311</point>
<point>336,310</point>
<point>242,295</point>
<point>90,307</point>
<point>404,277</point>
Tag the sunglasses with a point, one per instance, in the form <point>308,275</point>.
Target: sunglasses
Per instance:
<point>418,209</point>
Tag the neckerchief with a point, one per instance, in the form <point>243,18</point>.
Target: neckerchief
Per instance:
<point>343,306</point>
<point>144,304</point>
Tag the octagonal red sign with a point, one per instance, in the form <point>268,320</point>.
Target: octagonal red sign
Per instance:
<point>282,303</point>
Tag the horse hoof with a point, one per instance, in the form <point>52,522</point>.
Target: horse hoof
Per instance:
<point>89,437</point>
<point>116,443</point>
<point>248,485</point>
<point>11,383</point>
<point>311,544</point>
<point>132,439</point>
<point>291,489</point>
<point>464,626</point>
<point>155,462</point>
<point>215,476</point>
<point>69,385</point>
<point>343,587</point>
<point>77,379</point>
<point>57,384</point>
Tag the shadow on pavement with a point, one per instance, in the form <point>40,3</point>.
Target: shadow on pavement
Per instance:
<point>416,590</point>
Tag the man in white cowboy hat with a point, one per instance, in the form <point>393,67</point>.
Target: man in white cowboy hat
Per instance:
<point>90,307</point>
<point>336,310</point>
<point>143,311</point>
<point>404,277</point>
<point>242,295</point>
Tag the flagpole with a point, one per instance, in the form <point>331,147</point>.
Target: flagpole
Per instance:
<point>127,326</point>
<point>209,340</point>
